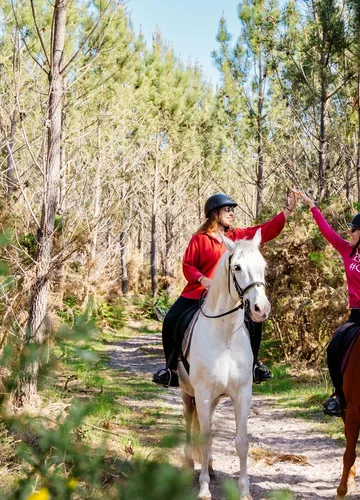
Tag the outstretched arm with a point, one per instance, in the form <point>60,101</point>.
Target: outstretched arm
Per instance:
<point>291,204</point>
<point>272,228</point>
<point>327,231</point>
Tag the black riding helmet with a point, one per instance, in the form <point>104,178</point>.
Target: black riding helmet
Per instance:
<point>355,222</point>
<point>218,200</point>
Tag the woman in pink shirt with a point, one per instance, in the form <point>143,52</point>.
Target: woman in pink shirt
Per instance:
<point>199,263</point>
<point>349,251</point>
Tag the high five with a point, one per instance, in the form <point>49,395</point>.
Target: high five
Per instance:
<point>349,251</point>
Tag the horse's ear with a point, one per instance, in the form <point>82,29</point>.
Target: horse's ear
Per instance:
<point>257,238</point>
<point>230,245</point>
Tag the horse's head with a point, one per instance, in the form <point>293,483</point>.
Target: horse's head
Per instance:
<point>247,275</point>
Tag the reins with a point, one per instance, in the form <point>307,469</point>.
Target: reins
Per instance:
<point>241,292</point>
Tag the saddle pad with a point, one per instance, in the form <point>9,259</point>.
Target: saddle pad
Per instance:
<point>188,335</point>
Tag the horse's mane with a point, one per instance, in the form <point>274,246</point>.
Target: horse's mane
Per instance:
<point>220,274</point>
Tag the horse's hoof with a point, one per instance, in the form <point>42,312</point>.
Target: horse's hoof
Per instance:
<point>204,495</point>
<point>341,493</point>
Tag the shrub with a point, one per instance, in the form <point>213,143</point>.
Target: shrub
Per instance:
<point>111,315</point>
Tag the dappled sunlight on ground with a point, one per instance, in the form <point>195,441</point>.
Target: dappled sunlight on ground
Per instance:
<point>297,456</point>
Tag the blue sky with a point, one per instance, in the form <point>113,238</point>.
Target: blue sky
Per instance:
<point>190,26</point>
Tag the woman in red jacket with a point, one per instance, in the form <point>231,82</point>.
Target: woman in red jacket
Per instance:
<point>199,263</point>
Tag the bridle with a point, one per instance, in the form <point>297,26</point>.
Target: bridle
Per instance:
<point>241,292</point>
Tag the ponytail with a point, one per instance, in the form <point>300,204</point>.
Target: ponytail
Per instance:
<point>355,248</point>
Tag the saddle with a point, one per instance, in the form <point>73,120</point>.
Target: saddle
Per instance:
<point>182,337</point>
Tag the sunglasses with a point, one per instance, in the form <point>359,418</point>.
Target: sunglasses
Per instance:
<point>354,228</point>
<point>229,208</point>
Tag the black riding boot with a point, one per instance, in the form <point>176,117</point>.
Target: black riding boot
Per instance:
<point>261,372</point>
<point>335,405</point>
<point>166,376</point>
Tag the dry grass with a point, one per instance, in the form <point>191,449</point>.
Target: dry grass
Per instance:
<point>270,457</point>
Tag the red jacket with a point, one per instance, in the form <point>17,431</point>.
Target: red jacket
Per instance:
<point>204,252</point>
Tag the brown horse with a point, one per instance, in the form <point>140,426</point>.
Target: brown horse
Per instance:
<point>351,387</point>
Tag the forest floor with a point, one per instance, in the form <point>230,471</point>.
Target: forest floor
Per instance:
<point>290,450</point>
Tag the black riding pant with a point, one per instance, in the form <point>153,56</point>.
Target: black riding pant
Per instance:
<point>181,305</point>
<point>336,351</point>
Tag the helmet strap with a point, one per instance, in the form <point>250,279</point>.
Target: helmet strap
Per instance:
<point>226,228</point>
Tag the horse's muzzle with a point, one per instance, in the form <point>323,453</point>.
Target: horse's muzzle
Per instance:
<point>259,314</point>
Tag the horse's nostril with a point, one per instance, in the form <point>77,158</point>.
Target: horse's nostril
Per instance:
<point>257,308</point>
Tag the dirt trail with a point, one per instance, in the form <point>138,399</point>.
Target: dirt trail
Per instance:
<point>270,427</point>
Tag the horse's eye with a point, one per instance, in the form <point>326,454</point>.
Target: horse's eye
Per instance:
<point>237,268</point>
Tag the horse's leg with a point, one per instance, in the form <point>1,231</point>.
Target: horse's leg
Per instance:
<point>188,406</point>
<point>242,407</point>
<point>203,407</point>
<point>352,473</point>
<point>352,427</point>
<point>213,407</point>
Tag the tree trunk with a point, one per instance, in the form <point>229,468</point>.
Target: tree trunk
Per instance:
<point>323,125</point>
<point>10,143</point>
<point>153,253</point>
<point>322,143</point>
<point>260,151</point>
<point>199,200</point>
<point>26,391</point>
<point>97,196</point>
<point>348,170</point>
<point>10,154</point>
<point>169,222</point>
<point>123,244</point>
<point>59,269</point>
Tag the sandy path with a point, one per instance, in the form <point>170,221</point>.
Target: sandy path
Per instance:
<point>270,427</point>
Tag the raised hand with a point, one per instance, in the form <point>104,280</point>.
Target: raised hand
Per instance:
<point>309,201</point>
<point>292,199</point>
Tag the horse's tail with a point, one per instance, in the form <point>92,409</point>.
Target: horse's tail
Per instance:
<point>195,434</point>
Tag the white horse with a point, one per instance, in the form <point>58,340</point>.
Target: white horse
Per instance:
<point>220,356</point>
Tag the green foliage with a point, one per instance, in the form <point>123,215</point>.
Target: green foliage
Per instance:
<point>70,310</point>
<point>59,223</point>
<point>157,481</point>
<point>104,314</point>
<point>356,205</point>
<point>55,456</point>
<point>317,258</point>
<point>148,307</point>
<point>29,243</point>
<point>112,315</point>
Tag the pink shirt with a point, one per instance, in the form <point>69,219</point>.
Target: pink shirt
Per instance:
<point>352,264</point>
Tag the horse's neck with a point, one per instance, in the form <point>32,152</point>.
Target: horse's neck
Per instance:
<point>219,298</point>
<point>220,301</point>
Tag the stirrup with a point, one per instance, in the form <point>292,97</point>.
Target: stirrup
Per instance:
<point>261,373</point>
